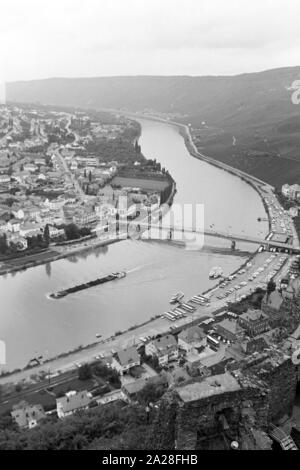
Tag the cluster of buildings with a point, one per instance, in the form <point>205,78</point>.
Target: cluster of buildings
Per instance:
<point>201,348</point>
<point>27,216</point>
<point>90,170</point>
<point>55,188</point>
<point>28,416</point>
<point>227,341</point>
<point>292,192</point>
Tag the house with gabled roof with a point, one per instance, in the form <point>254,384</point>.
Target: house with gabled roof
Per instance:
<point>229,329</point>
<point>192,338</point>
<point>26,415</point>
<point>72,402</point>
<point>13,225</point>
<point>125,360</point>
<point>164,348</point>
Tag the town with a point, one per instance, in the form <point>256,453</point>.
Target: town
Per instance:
<point>235,336</point>
<point>63,179</point>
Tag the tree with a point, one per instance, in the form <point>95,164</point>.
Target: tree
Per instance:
<point>151,392</point>
<point>3,244</point>
<point>72,232</point>
<point>111,375</point>
<point>47,235</point>
<point>85,372</point>
<point>10,170</point>
<point>137,147</point>
<point>271,287</point>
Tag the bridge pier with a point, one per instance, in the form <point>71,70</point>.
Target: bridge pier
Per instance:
<point>149,219</point>
<point>233,245</point>
<point>117,223</point>
<point>160,216</point>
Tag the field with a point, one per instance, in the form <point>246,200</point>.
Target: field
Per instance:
<point>274,169</point>
<point>146,184</point>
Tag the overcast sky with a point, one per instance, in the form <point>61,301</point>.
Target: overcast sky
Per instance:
<point>47,38</point>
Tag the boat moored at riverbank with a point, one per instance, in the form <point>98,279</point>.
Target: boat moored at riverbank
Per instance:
<point>215,273</point>
<point>176,298</point>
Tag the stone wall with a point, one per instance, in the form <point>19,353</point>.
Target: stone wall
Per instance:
<point>266,394</point>
<point>188,426</point>
<point>282,382</point>
<point>198,421</point>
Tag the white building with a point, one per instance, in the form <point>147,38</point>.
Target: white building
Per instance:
<point>164,348</point>
<point>291,192</point>
<point>30,167</point>
<point>27,416</point>
<point>54,204</point>
<point>72,402</point>
<point>13,225</point>
<point>55,232</point>
<point>18,213</point>
<point>30,230</point>
<point>4,179</point>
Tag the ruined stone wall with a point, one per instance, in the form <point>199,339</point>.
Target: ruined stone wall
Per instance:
<point>184,425</point>
<point>164,422</point>
<point>198,420</point>
<point>282,382</point>
<point>267,393</point>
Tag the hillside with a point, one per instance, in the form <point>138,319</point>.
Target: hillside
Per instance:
<point>246,120</point>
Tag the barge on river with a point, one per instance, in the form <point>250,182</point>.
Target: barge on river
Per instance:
<point>87,285</point>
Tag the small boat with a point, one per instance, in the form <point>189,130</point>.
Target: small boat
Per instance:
<point>176,298</point>
<point>120,275</point>
<point>59,295</point>
<point>216,272</point>
<point>98,335</point>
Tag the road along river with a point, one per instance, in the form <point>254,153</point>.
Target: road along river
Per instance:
<point>32,324</point>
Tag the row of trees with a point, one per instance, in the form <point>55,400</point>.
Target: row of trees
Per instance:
<point>73,232</point>
<point>119,149</point>
<point>111,375</point>
<point>42,241</point>
<point>39,241</point>
<point>112,426</point>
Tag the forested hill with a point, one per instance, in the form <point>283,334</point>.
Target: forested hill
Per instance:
<point>215,98</point>
<point>248,120</point>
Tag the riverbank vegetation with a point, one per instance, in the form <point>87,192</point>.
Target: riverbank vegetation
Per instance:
<point>113,426</point>
<point>35,245</point>
<point>287,204</point>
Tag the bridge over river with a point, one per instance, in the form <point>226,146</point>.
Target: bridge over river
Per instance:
<point>135,227</point>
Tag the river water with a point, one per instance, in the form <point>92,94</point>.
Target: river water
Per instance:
<point>31,324</point>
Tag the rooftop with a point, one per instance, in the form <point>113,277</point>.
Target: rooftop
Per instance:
<point>214,385</point>
<point>73,401</point>
<point>253,315</point>
<point>127,356</point>
<point>165,342</point>
<point>134,387</point>
<point>23,413</point>
<point>191,335</point>
<point>280,238</point>
<point>230,325</point>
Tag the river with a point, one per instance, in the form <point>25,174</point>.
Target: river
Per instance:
<point>31,324</point>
